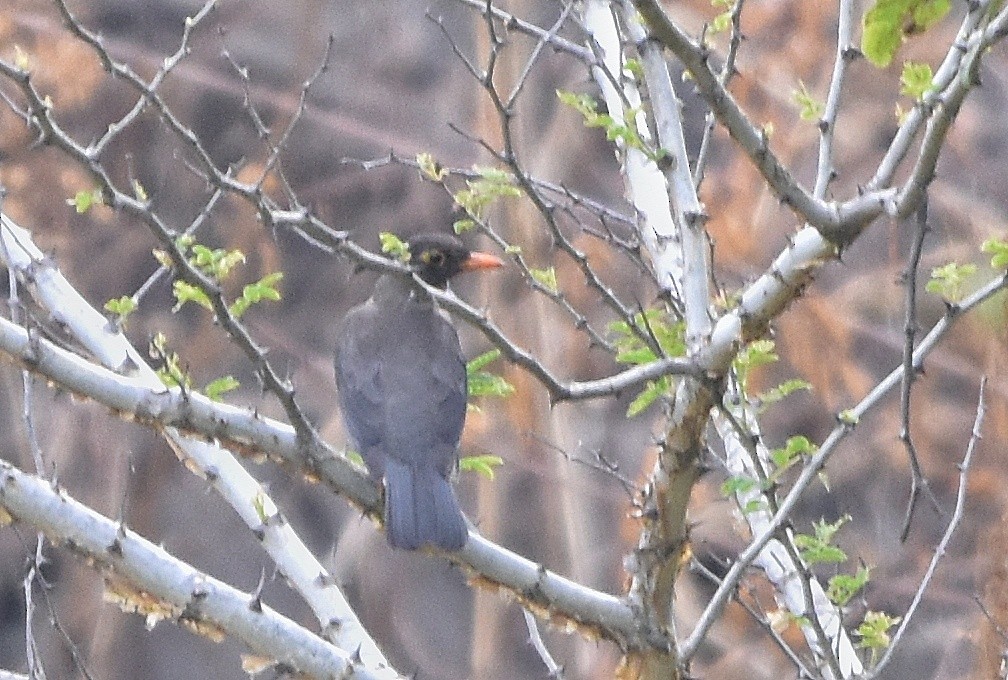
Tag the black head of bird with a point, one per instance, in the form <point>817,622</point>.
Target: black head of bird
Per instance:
<point>437,258</point>
<point>402,387</point>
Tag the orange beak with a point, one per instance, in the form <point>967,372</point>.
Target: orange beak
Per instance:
<point>478,260</point>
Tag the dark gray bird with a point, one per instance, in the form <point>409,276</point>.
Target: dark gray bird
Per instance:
<point>402,390</point>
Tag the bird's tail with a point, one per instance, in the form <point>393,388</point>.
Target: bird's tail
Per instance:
<point>420,507</point>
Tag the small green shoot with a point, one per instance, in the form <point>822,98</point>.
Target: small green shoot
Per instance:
<point>121,308</point>
<point>545,278</point>
<point>84,200</point>
<point>492,184</point>
<point>998,250</point>
<point>818,547</point>
<point>430,168</point>
<point>634,68</point>
<point>949,280</point>
<point>795,449</point>
<point>887,23</point>
<point>624,134</point>
<point>170,373</point>
<point>809,108</point>
<point>842,587</point>
<point>738,484</point>
<point>485,384</point>
<point>784,390</point>
<point>253,293</point>
<point>21,59</point>
<point>722,21</point>
<point>483,465</point>
<point>186,292</point>
<point>756,353</point>
<point>394,246</point>
<point>916,80</point>
<point>631,349</point>
<point>874,632</point>
<point>216,389</point>
<point>139,192</point>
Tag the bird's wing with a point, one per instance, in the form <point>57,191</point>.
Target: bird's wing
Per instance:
<point>424,382</point>
<point>361,395</point>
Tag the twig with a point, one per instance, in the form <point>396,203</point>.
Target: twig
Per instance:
<point>918,482</point>
<point>942,546</point>
<point>556,671</point>
<point>848,421</point>
<point>511,22</point>
<point>846,52</point>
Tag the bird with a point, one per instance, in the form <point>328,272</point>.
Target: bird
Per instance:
<point>402,386</point>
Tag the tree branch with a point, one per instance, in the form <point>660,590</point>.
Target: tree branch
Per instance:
<point>182,592</point>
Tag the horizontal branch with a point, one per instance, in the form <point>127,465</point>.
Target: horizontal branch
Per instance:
<point>224,472</point>
<point>544,592</point>
<point>184,593</point>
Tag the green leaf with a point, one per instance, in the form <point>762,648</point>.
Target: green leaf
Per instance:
<point>795,448</point>
<point>546,277</point>
<point>493,183</point>
<point>998,248</point>
<point>848,417</point>
<point>483,384</point>
<point>215,262</point>
<point>121,307</point>
<point>756,353</point>
<point>815,553</point>
<point>842,587</point>
<point>887,23</point>
<point>21,59</point>
<point>393,245</point>
<point>926,13</point>
<point>139,192</point>
<point>949,279</point>
<point>631,349</point>
<point>818,548</point>
<point>85,200</point>
<point>786,388</point>
<point>483,465</point>
<point>634,68</point>
<point>721,23</point>
<point>354,457</point>
<point>430,168</point>
<point>624,133</point>
<point>489,385</point>
<point>185,292</point>
<point>648,395</point>
<point>737,484</point>
<point>874,631</point>
<point>170,373</point>
<point>253,293</point>
<point>636,356</point>
<point>259,505</point>
<point>482,361</point>
<point>463,225</point>
<point>915,80</point>
<point>216,389</point>
<point>809,108</point>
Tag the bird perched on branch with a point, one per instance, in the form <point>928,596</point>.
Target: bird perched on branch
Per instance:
<point>402,388</point>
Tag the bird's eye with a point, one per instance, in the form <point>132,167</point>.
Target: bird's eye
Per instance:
<point>433,257</point>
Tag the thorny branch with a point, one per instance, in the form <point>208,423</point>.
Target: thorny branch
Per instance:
<point>831,223</point>
<point>957,514</point>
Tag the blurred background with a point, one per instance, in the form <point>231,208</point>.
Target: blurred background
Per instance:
<point>393,83</point>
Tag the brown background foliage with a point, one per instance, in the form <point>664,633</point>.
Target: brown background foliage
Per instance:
<point>394,84</point>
